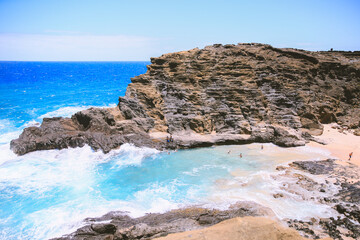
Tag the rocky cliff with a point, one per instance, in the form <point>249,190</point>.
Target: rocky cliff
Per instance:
<point>222,94</point>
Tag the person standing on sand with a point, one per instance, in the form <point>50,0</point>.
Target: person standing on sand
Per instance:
<point>240,155</point>
<point>350,155</point>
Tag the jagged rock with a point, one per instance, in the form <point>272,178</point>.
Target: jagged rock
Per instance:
<point>357,132</point>
<point>340,192</point>
<point>340,208</point>
<point>278,195</point>
<point>273,95</point>
<point>95,126</point>
<point>104,228</point>
<point>350,192</point>
<point>157,225</point>
<point>316,167</point>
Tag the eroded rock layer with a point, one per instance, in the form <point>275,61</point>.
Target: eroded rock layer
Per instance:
<point>154,225</point>
<point>220,94</point>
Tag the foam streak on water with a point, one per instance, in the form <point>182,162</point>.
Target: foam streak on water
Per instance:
<point>46,194</point>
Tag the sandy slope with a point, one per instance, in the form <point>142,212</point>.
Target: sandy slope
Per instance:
<point>245,228</point>
<point>340,144</point>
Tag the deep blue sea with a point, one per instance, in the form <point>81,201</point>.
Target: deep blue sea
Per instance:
<point>47,194</point>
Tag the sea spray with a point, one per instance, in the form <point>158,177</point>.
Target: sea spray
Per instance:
<point>46,194</point>
<point>57,189</point>
<point>68,111</point>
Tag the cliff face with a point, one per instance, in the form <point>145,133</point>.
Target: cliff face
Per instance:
<point>223,92</point>
<point>231,88</point>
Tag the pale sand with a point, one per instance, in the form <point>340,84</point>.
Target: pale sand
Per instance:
<point>187,136</point>
<point>340,144</point>
<point>246,228</point>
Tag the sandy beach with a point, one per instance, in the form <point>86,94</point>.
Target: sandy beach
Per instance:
<point>340,144</point>
<point>241,229</point>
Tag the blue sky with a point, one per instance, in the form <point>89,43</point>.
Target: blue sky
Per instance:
<point>116,30</point>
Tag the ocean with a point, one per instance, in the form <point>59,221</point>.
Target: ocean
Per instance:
<point>46,194</point>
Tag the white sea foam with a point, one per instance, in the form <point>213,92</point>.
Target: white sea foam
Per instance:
<point>37,174</point>
<point>7,137</point>
<point>75,167</point>
<point>68,111</point>
<point>67,217</point>
<point>63,112</point>
<point>259,187</point>
<point>31,123</point>
<point>156,198</point>
<point>64,218</point>
<point>5,123</point>
<point>128,154</point>
<point>43,170</point>
<point>6,154</point>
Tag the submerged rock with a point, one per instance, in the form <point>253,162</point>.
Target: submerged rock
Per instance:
<point>221,92</point>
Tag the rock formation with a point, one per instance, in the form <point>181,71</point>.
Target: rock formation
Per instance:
<point>341,191</point>
<point>121,226</point>
<point>222,94</point>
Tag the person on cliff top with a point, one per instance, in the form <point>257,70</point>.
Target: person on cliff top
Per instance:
<point>350,155</point>
<point>167,139</point>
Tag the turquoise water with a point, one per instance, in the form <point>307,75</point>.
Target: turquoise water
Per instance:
<point>46,194</point>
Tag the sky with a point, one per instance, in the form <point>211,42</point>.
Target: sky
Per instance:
<point>135,30</point>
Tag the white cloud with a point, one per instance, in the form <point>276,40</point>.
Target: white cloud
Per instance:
<point>77,47</point>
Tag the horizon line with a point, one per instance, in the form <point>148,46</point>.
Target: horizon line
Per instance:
<point>75,61</point>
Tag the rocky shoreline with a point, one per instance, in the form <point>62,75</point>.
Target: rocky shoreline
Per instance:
<point>154,225</point>
<point>342,194</point>
<point>345,200</point>
<point>231,94</point>
<point>225,94</point>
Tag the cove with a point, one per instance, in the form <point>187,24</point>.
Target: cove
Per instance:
<point>48,193</point>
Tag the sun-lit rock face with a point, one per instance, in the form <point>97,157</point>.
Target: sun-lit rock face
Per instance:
<point>232,88</point>
<point>217,95</point>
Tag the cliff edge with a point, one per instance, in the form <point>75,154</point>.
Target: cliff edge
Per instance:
<point>222,94</point>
